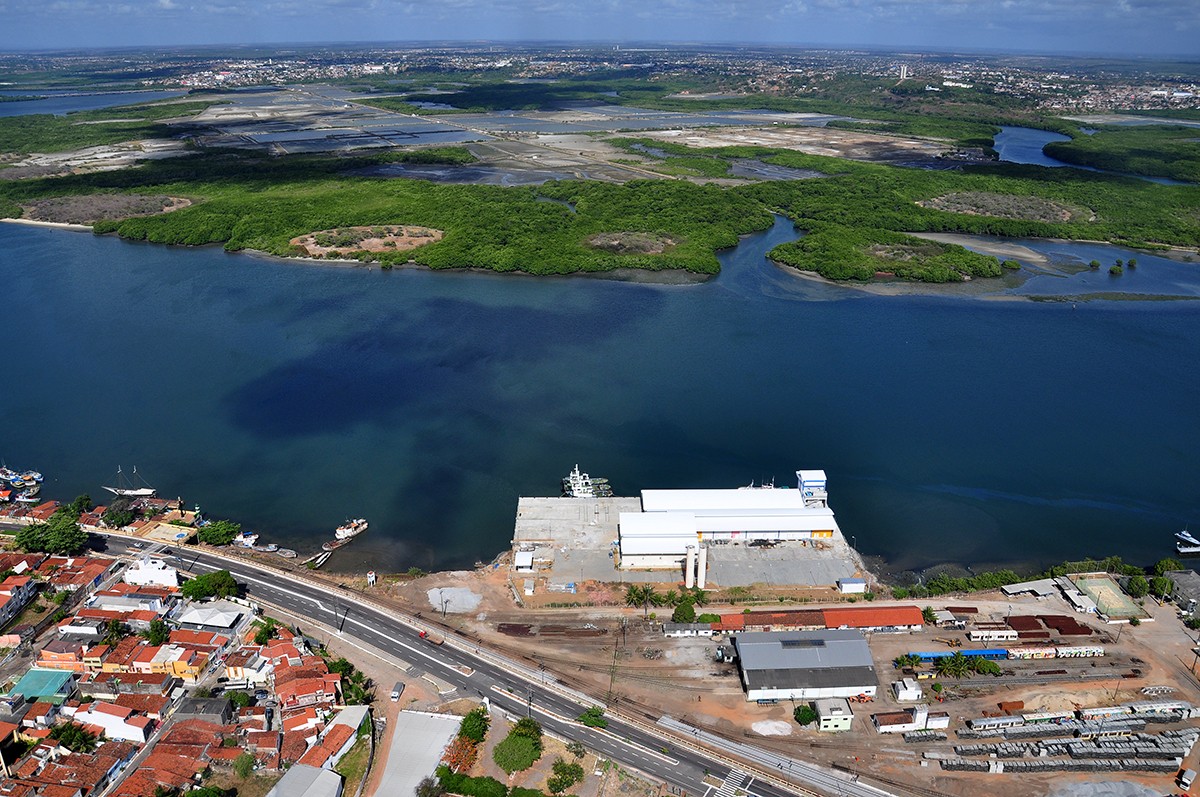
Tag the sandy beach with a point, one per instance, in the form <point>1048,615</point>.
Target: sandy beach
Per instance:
<point>59,225</point>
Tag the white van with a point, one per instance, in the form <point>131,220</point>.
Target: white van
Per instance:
<point>397,690</point>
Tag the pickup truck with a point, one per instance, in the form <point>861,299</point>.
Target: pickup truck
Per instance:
<point>431,638</point>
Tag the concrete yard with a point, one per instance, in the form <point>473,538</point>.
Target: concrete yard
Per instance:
<point>573,540</point>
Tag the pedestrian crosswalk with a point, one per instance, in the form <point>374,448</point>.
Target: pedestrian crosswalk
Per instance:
<point>732,784</point>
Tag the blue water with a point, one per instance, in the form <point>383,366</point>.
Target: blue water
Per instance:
<point>291,396</point>
<point>1024,145</point>
<point>58,103</point>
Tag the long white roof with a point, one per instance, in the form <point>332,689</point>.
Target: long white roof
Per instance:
<point>703,501</point>
<point>657,524</point>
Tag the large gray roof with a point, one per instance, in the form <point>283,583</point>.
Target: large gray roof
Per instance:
<point>805,659</point>
<point>791,650</point>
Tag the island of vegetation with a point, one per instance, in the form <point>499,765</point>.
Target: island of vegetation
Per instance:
<point>855,220</point>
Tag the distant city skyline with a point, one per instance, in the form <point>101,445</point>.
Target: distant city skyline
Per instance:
<point>1115,28</point>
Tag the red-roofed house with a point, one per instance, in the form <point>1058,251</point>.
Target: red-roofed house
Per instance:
<point>326,690</point>
<point>329,750</point>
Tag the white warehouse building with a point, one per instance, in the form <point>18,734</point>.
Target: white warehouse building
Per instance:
<point>671,521</point>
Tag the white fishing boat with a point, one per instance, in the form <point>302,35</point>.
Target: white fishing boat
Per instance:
<point>245,539</point>
<point>351,529</point>
<point>127,488</point>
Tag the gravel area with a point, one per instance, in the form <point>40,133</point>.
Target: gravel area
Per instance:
<point>456,600</point>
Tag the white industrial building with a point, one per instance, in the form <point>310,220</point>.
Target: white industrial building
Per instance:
<point>834,715</point>
<point>805,665</point>
<point>675,527</point>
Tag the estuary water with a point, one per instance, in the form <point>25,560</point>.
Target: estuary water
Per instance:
<point>64,102</point>
<point>290,396</point>
<point>1024,145</point>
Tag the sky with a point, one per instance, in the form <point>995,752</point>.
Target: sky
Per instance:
<point>1124,28</point>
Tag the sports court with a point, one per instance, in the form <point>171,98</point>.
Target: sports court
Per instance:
<point>1109,598</point>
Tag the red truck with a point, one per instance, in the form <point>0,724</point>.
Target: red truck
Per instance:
<point>432,639</point>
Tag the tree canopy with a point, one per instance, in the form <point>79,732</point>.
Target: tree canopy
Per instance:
<point>217,584</point>
<point>61,534</point>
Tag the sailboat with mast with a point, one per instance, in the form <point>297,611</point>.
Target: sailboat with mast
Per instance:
<point>127,488</point>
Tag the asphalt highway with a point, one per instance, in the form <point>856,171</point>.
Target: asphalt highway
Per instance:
<point>457,662</point>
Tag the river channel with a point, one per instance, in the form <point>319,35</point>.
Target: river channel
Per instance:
<point>290,396</point>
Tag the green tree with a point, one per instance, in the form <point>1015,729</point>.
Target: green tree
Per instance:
<point>243,765</point>
<point>239,698</point>
<point>685,612</point>
<point>429,787</point>
<point>1137,587</point>
<point>594,718</point>
<point>217,584</point>
<point>805,714</point>
<point>954,666</point>
<point>516,753</point>
<point>81,504</point>
<point>474,726</point>
<point>641,595</point>
<point>576,749</point>
<point>118,514</point>
<point>1094,264</point>
<point>528,728</point>
<point>1164,566</point>
<point>906,660</point>
<point>59,535</point>
<point>565,776</point>
<point>158,633</point>
<point>219,532</point>
<point>74,737</point>
<point>1161,587</point>
<point>1132,263</point>
<point>1116,271</point>
<point>266,632</point>
<point>114,632</point>
<point>929,616</point>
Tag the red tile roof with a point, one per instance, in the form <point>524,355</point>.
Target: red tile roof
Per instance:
<point>873,616</point>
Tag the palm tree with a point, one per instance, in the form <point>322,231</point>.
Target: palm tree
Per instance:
<point>641,595</point>
<point>699,596</point>
<point>670,598</point>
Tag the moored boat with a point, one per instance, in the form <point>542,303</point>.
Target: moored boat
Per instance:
<point>1186,537</point>
<point>268,548</point>
<point>126,488</point>
<point>350,529</point>
<point>286,553</point>
<point>245,539</point>
<point>320,560</point>
<point>333,545</point>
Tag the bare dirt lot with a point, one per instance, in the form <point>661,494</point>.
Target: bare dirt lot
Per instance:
<point>344,240</point>
<point>90,208</point>
<point>813,140</point>
<point>1008,206</point>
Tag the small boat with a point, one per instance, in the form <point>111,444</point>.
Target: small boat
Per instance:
<point>286,553</point>
<point>26,497</point>
<point>320,560</point>
<point>245,540</point>
<point>32,489</point>
<point>268,548</point>
<point>350,529</point>
<point>32,476</point>
<point>333,545</point>
<point>17,482</point>
<point>1186,537</point>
